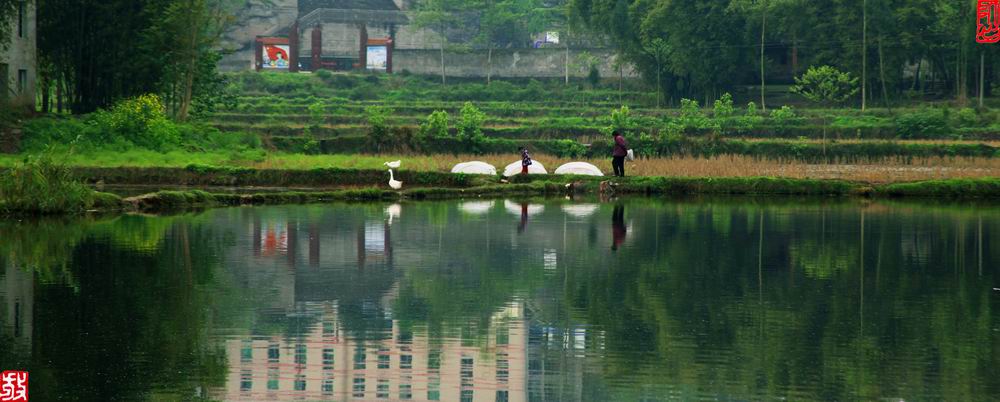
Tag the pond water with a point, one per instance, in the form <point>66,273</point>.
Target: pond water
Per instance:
<point>542,300</point>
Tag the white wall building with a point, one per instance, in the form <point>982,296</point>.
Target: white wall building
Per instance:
<point>18,62</point>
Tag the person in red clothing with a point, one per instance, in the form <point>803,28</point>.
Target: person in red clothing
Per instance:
<point>619,153</point>
<point>525,160</point>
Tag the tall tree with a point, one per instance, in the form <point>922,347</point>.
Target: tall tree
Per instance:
<point>187,32</point>
<point>440,16</point>
<point>507,23</point>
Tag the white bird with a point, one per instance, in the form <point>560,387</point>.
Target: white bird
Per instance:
<point>393,211</point>
<point>393,165</point>
<point>395,184</point>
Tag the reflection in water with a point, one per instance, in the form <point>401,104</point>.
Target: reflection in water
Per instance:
<point>618,226</point>
<point>705,300</point>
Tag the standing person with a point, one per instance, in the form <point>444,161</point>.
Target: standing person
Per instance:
<point>619,154</point>
<point>525,160</point>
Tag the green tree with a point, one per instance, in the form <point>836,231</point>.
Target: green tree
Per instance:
<point>504,23</point>
<point>440,16</point>
<point>826,85</point>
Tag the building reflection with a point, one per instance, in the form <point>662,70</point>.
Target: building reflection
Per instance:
<point>17,288</point>
<point>325,363</point>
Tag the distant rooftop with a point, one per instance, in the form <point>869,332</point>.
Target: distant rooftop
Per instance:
<point>308,6</point>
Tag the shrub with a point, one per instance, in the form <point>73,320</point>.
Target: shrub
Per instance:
<point>692,118</point>
<point>435,126</point>
<point>470,124</point>
<point>782,116</point>
<point>723,107</point>
<point>966,118</point>
<point>378,129</point>
<point>621,119</point>
<point>141,121</point>
<point>752,118</point>
<point>922,124</point>
<point>826,85</point>
<point>317,112</point>
<point>40,185</point>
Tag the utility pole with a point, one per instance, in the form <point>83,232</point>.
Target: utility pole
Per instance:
<point>763,27</point>
<point>982,73</point>
<point>864,52</point>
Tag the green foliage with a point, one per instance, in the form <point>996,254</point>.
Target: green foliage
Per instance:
<point>470,123</point>
<point>621,119</point>
<point>141,121</point>
<point>752,118</point>
<point>692,119</point>
<point>39,185</point>
<point>723,107</point>
<point>317,113</point>
<point>783,115</point>
<point>927,123</point>
<point>436,126</point>
<point>826,85</point>
<point>378,128</point>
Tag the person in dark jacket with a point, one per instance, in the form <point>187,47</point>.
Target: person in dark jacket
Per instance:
<point>619,153</point>
<point>525,160</point>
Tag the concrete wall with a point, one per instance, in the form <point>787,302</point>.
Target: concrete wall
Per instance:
<point>522,63</point>
<point>21,55</point>
<point>257,17</point>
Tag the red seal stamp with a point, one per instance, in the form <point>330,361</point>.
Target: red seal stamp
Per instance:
<point>987,21</point>
<point>14,386</point>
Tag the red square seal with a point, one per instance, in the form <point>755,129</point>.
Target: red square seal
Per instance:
<point>14,386</point>
<point>988,21</point>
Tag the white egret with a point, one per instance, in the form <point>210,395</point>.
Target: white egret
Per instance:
<point>579,168</point>
<point>395,184</point>
<point>475,167</point>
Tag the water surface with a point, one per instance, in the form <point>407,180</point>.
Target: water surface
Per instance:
<point>541,300</point>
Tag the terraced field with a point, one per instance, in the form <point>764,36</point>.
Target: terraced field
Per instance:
<point>327,114</point>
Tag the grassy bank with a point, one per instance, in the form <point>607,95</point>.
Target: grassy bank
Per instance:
<point>438,186</point>
<point>883,171</point>
<point>654,186</point>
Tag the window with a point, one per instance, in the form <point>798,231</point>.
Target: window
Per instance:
<point>359,358</point>
<point>328,387</point>
<point>359,387</point>
<point>434,391</point>
<point>300,354</point>
<point>22,81</point>
<point>273,354</point>
<point>300,382</point>
<point>383,359</point>
<point>382,391</point>
<point>503,335</point>
<point>327,359</point>
<point>20,19</point>
<point>405,391</point>
<point>502,396</point>
<point>467,395</point>
<point>246,380</point>
<point>406,362</point>
<point>246,353</point>
<point>434,360</point>
<point>272,380</point>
